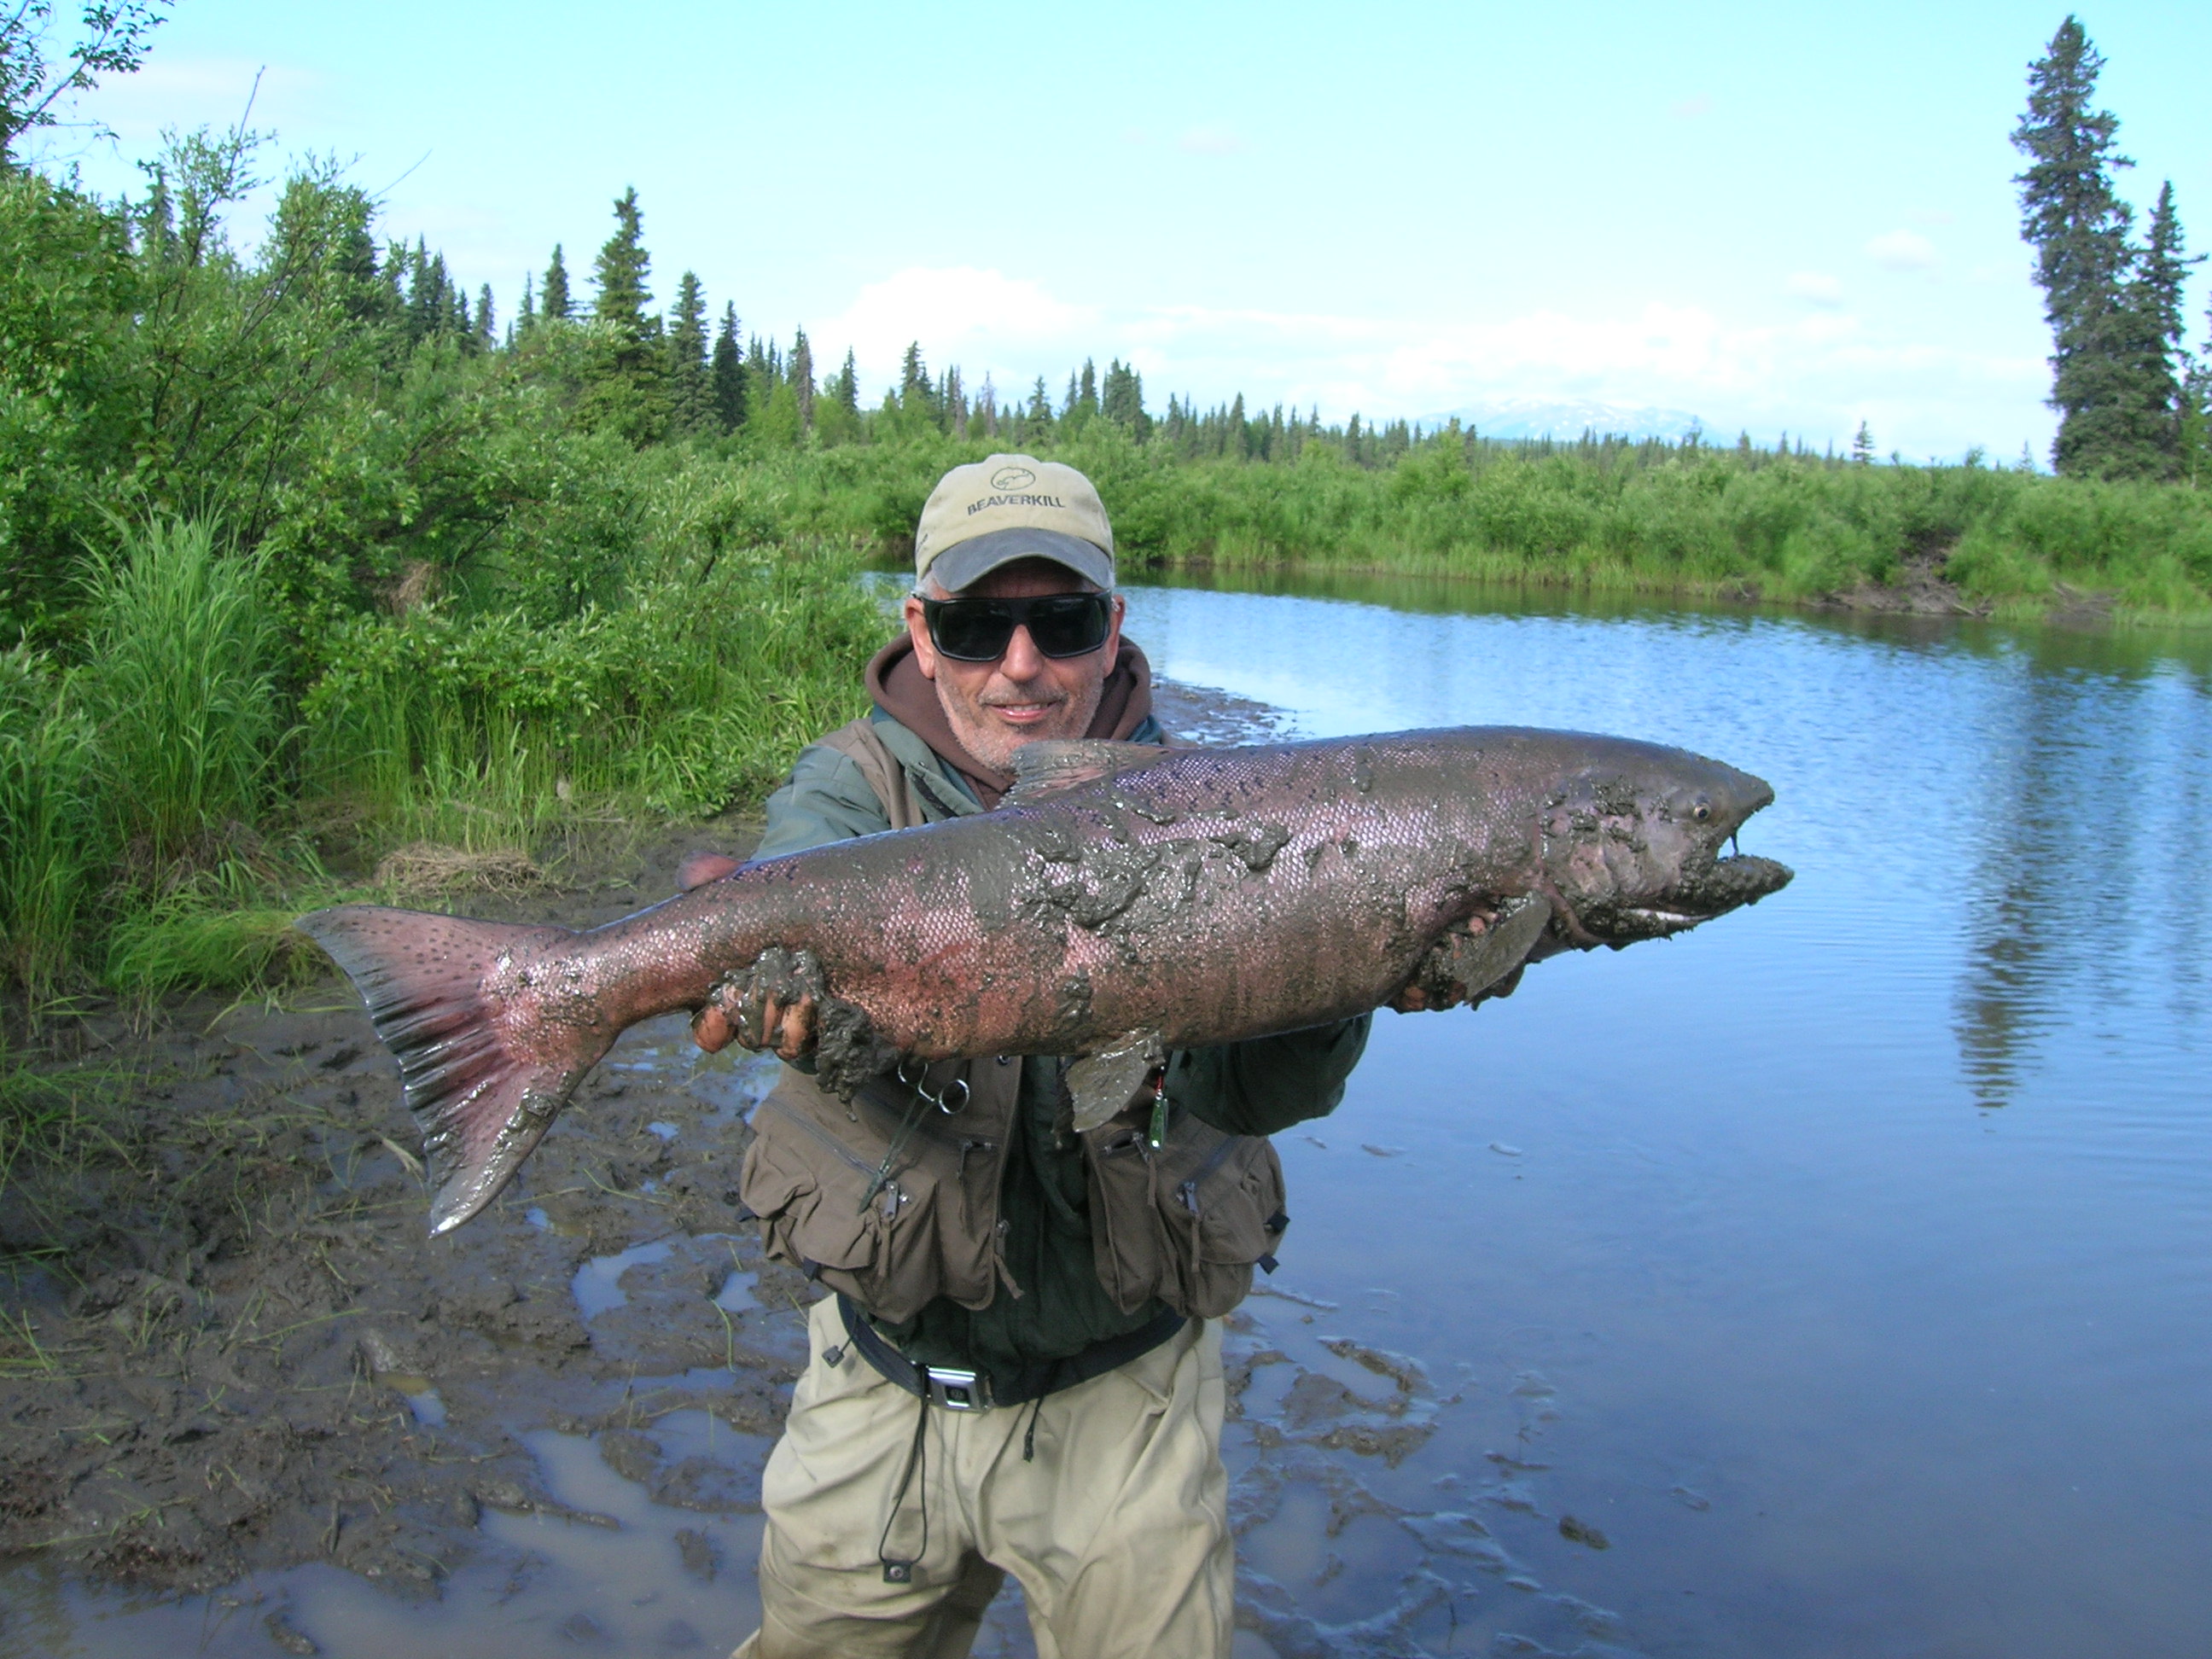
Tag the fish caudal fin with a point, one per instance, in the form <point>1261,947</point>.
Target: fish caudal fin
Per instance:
<point>483,1081</point>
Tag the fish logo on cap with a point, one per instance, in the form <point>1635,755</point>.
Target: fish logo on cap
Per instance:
<point>1013,477</point>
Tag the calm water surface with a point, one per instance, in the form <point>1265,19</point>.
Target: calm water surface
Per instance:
<point>1845,1268</point>
<point>1858,1249</point>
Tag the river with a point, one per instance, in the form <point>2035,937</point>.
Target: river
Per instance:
<point>1834,1280</point>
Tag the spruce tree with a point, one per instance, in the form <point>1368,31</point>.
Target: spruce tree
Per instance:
<point>800,372</point>
<point>917,397</point>
<point>554,302</point>
<point>690,382</point>
<point>487,335</point>
<point>426,303</point>
<point>728,373</point>
<point>848,385</point>
<point>1862,447</point>
<point>621,271</point>
<point>2079,227</point>
<point>2156,301</point>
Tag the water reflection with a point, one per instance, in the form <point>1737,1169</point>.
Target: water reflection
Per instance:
<point>2087,892</point>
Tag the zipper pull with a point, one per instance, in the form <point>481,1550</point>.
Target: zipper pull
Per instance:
<point>1158,1132</point>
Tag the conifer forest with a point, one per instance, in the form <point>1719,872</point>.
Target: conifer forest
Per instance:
<point>314,553</point>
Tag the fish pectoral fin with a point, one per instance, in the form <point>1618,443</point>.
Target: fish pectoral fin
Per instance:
<point>1044,769</point>
<point>1505,945</point>
<point>1463,965</point>
<point>1102,1084</point>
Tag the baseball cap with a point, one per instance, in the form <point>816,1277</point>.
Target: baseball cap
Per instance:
<point>1005,507</point>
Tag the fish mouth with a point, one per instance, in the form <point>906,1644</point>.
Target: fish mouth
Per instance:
<point>1725,885</point>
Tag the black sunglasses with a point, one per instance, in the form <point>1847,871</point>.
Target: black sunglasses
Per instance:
<point>980,630</point>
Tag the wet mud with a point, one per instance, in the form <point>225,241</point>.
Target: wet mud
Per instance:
<point>231,1348</point>
<point>248,1407</point>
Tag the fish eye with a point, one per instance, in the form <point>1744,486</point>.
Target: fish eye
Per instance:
<point>1702,810</point>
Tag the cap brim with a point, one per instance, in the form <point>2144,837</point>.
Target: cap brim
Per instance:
<point>965,564</point>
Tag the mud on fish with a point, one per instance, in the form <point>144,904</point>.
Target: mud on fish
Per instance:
<point>1124,900</point>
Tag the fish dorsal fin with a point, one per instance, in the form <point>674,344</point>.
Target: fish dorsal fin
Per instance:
<point>1043,770</point>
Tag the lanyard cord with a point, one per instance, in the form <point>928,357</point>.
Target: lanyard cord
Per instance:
<point>897,1570</point>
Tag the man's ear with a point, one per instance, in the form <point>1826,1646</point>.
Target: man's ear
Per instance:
<point>917,629</point>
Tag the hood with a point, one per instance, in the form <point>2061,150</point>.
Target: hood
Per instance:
<point>895,681</point>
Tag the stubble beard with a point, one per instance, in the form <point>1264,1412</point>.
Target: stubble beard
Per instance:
<point>995,744</point>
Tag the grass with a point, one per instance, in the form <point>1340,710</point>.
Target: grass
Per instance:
<point>180,679</point>
<point>1654,519</point>
<point>49,842</point>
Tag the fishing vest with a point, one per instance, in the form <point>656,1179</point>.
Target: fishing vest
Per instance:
<point>892,1197</point>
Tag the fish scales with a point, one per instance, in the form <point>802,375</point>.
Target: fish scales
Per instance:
<point>1124,897</point>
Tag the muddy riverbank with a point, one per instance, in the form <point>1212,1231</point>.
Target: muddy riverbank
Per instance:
<point>230,1349</point>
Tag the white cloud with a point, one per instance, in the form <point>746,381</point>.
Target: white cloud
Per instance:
<point>960,314</point>
<point>1817,286</point>
<point>1902,250</point>
<point>1691,108</point>
<point>190,92</point>
<point>1210,141</point>
<point>1811,375</point>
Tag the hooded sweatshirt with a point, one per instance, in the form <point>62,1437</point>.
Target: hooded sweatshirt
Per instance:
<point>901,690</point>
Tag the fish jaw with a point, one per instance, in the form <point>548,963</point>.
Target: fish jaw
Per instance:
<point>1635,846</point>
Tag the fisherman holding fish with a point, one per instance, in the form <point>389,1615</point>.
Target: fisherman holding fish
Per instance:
<point>1021,1369</point>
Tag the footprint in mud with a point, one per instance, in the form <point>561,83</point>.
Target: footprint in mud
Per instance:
<point>1330,1564</point>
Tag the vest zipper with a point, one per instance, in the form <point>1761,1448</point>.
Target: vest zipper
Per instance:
<point>841,1150</point>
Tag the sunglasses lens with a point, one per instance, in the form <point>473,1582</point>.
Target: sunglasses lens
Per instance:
<point>979,630</point>
<point>1069,626</point>
<point>971,630</point>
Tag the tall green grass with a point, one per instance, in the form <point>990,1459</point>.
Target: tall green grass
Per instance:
<point>50,822</point>
<point>1688,521</point>
<point>181,680</point>
<point>690,688</point>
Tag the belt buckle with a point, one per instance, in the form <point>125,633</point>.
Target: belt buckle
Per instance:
<point>957,1390</point>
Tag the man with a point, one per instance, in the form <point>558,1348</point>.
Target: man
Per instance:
<point>1021,1372</point>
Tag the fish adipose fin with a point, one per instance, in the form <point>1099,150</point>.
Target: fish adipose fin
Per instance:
<point>482,1093</point>
<point>1103,1083</point>
<point>1042,769</point>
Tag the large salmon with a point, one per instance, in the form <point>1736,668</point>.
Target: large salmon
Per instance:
<point>1123,901</point>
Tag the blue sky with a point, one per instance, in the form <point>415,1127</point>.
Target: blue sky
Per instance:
<point>1775,217</point>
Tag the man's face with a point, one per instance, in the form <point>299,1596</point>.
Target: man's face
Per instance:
<point>994,708</point>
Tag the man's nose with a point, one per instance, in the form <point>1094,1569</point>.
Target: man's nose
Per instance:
<point>1022,660</point>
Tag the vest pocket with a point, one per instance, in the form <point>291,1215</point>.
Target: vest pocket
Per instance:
<point>1186,1222</point>
<point>893,1241</point>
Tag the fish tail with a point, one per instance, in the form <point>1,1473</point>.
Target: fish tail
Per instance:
<point>484,1080</point>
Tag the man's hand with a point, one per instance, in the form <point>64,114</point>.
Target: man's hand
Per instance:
<point>769,1004</point>
<point>700,868</point>
<point>1414,997</point>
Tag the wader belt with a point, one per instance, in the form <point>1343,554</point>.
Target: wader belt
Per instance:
<point>963,1390</point>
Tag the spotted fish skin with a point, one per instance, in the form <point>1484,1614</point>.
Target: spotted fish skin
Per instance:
<point>1124,895</point>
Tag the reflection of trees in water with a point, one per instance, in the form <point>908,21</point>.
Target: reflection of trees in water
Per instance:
<point>2088,897</point>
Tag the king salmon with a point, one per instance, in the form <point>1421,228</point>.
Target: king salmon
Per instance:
<point>1123,901</point>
